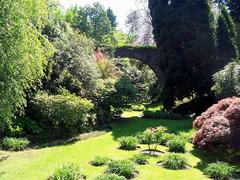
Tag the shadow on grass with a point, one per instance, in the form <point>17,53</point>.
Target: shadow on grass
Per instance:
<point>205,156</point>
<point>131,126</point>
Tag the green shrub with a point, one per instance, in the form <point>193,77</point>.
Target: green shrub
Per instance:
<point>142,139</point>
<point>15,144</point>
<point>124,168</point>
<point>128,142</point>
<point>153,114</point>
<point>65,113</point>
<point>140,159</point>
<point>153,136</point>
<point>166,137</point>
<point>110,177</point>
<point>176,145</point>
<point>99,161</point>
<point>220,171</point>
<point>68,172</point>
<point>173,161</point>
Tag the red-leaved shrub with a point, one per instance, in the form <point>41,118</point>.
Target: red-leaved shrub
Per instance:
<point>219,125</point>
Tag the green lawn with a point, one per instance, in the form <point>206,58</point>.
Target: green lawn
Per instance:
<point>40,163</point>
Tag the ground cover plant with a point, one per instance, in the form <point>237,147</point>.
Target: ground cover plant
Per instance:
<point>68,172</point>
<point>110,177</point>
<point>177,145</point>
<point>99,161</point>
<point>124,168</point>
<point>15,144</point>
<point>220,171</point>
<point>128,143</point>
<point>173,161</point>
<point>140,159</point>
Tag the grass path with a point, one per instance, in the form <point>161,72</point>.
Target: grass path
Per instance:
<point>38,164</point>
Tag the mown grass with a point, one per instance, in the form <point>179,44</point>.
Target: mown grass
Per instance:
<point>39,164</point>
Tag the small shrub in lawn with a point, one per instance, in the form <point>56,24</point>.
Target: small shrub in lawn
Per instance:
<point>176,145</point>
<point>124,168</point>
<point>220,171</point>
<point>128,142</point>
<point>99,161</point>
<point>142,139</point>
<point>166,137</point>
<point>68,172</point>
<point>110,177</point>
<point>140,159</point>
<point>173,161</point>
<point>15,144</point>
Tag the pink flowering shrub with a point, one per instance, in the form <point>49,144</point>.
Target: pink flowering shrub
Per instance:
<point>219,125</point>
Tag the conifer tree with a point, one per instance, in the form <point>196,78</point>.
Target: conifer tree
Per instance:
<point>184,34</point>
<point>226,38</point>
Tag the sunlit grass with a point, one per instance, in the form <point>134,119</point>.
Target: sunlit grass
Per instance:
<point>39,164</point>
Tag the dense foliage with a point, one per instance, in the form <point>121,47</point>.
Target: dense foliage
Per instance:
<point>99,161</point>
<point>124,168</point>
<point>128,142</point>
<point>14,144</point>
<point>23,52</point>
<point>173,161</point>
<point>68,172</point>
<point>65,113</point>
<point>227,81</point>
<point>220,171</point>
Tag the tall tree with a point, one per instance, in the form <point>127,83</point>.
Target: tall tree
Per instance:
<point>226,38</point>
<point>91,20</point>
<point>234,8</point>
<point>112,17</point>
<point>184,34</point>
<point>23,53</point>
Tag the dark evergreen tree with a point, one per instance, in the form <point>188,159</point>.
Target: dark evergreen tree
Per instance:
<point>226,38</point>
<point>112,17</point>
<point>184,34</point>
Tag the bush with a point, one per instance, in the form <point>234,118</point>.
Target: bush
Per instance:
<point>15,144</point>
<point>153,136</point>
<point>227,81</point>
<point>140,159</point>
<point>166,137</point>
<point>173,161</point>
<point>99,161</point>
<point>68,172</point>
<point>65,113</point>
<point>161,115</point>
<point>220,171</point>
<point>128,143</point>
<point>124,168</point>
<point>110,177</point>
<point>142,139</point>
<point>176,145</point>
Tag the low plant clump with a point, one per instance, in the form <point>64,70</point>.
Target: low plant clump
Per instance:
<point>124,168</point>
<point>166,137</point>
<point>15,144</point>
<point>151,114</point>
<point>220,171</point>
<point>140,159</point>
<point>68,172</point>
<point>128,142</point>
<point>110,177</point>
<point>99,161</point>
<point>173,161</point>
<point>177,145</point>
